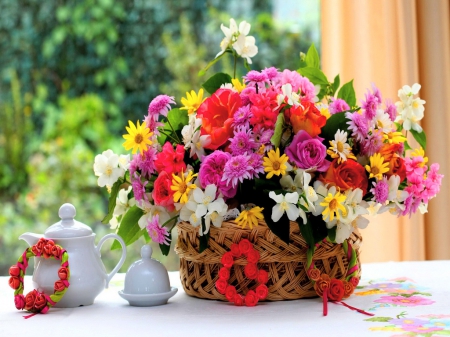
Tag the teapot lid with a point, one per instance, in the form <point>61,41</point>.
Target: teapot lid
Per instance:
<point>68,227</point>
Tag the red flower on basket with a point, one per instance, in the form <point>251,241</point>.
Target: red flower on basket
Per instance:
<point>251,271</point>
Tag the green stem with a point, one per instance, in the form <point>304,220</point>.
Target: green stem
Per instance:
<point>168,221</point>
<point>166,134</point>
<point>235,65</point>
<point>173,130</point>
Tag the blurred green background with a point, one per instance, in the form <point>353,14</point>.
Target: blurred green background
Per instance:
<point>73,72</point>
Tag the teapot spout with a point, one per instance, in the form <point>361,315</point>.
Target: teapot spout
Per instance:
<point>30,238</point>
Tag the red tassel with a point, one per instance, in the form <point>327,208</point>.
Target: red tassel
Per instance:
<point>325,301</point>
<point>353,308</point>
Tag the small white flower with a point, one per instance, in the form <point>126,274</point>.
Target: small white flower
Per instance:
<point>107,169</point>
<point>382,121</point>
<point>150,211</point>
<point>245,47</point>
<point>410,110</point>
<point>340,148</point>
<point>285,203</point>
<point>122,202</point>
<point>293,98</point>
<point>124,161</point>
<point>193,139</point>
<point>216,211</point>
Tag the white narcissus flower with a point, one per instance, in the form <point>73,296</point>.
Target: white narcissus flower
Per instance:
<point>245,47</point>
<point>232,33</point>
<point>310,193</point>
<point>285,203</point>
<point>193,139</point>
<point>293,98</point>
<point>106,167</point>
<point>216,211</point>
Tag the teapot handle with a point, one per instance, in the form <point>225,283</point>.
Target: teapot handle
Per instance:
<point>122,259</point>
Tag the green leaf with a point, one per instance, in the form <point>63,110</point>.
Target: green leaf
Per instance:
<point>407,147</point>
<point>306,231</point>
<point>281,227</point>
<point>379,319</point>
<point>332,234</point>
<point>315,75</point>
<point>420,137</point>
<point>165,249</point>
<point>335,84</point>
<point>204,239</point>
<point>276,138</point>
<point>347,93</point>
<point>335,122</point>
<point>112,200</point>
<point>312,57</point>
<point>178,118</point>
<point>309,256</point>
<point>215,81</point>
<point>129,229</point>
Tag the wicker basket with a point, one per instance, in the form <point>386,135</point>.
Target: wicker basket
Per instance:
<point>286,264</point>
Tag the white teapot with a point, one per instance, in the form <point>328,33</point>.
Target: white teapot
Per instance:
<point>88,276</point>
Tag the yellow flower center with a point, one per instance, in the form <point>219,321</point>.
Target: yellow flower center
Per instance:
<point>138,138</point>
<point>276,165</point>
<point>284,205</point>
<point>108,170</point>
<point>206,200</point>
<point>333,204</point>
<point>340,146</point>
<point>182,187</point>
<point>375,170</point>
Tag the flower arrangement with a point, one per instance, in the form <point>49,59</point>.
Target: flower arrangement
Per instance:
<point>274,146</point>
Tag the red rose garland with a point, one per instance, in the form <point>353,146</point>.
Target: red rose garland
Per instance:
<point>250,270</point>
<point>35,301</point>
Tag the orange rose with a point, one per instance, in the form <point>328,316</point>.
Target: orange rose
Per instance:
<point>14,282</point>
<point>305,117</point>
<point>348,289</point>
<point>63,273</point>
<point>397,167</point>
<point>59,286</point>
<point>30,299</point>
<point>56,251</point>
<point>217,114</point>
<point>14,270</point>
<point>336,292</point>
<point>314,274</point>
<point>322,283</point>
<point>48,248</point>
<point>40,302</point>
<point>347,175</point>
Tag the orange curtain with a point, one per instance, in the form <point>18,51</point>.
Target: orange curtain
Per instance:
<point>392,43</point>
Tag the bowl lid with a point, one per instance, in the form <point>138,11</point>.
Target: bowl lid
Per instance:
<point>68,227</point>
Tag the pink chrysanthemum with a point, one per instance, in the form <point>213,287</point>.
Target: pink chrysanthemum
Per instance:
<point>245,95</point>
<point>391,110</point>
<point>358,125</point>
<point>370,105</point>
<point>292,77</point>
<point>242,116</point>
<point>242,142</point>
<point>372,144</point>
<point>156,232</point>
<point>236,170</point>
<point>255,161</point>
<point>153,124</point>
<point>139,189</point>
<point>271,73</point>
<point>147,162</point>
<point>160,105</point>
<point>211,172</point>
<point>337,105</point>
<point>414,166</point>
<point>307,90</point>
<point>380,190</point>
<point>254,77</point>
<point>262,136</point>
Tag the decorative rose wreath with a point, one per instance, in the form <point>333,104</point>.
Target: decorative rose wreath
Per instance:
<point>35,301</point>
<point>250,270</point>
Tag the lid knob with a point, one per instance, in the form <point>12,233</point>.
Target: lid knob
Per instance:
<point>67,212</point>
<point>146,252</point>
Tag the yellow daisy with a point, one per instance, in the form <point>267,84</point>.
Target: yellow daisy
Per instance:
<point>192,101</point>
<point>250,217</point>
<point>182,186</point>
<point>333,206</point>
<point>138,137</point>
<point>238,85</point>
<point>394,137</point>
<point>377,166</point>
<point>274,164</point>
<point>420,153</point>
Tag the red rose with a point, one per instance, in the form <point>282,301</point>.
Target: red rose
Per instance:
<point>38,248</point>
<point>348,289</point>
<point>263,276</point>
<point>238,300</point>
<point>48,248</point>
<point>217,114</point>
<point>305,117</point>
<point>347,175</point>
<point>322,283</point>
<point>14,282</point>
<point>162,193</point>
<point>14,270</point>
<point>397,167</point>
<point>245,246</point>
<point>40,302</point>
<point>251,271</point>
<point>19,301</point>
<point>235,250</point>
<point>314,274</point>
<point>224,273</point>
<point>251,299</point>
<point>262,291</point>
<point>253,256</point>
<point>59,286</point>
<point>170,160</point>
<point>336,290</point>
<point>56,252</point>
<point>230,293</point>
<point>227,260</point>
<point>221,286</point>
<point>30,299</point>
<point>354,281</point>
<point>63,273</point>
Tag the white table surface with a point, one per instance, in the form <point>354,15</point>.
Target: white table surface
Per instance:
<point>110,315</point>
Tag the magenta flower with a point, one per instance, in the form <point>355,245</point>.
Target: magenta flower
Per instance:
<point>412,301</point>
<point>380,190</point>
<point>152,123</point>
<point>160,105</point>
<point>372,144</point>
<point>255,161</point>
<point>245,95</point>
<point>358,125</point>
<point>254,77</point>
<point>242,116</point>
<point>139,189</point>
<point>236,170</point>
<point>271,73</point>
<point>242,142</point>
<point>337,105</point>
<point>145,162</point>
<point>156,232</point>
<point>211,172</point>
<point>308,152</point>
<point>372,103</point>
<point>391,110</point>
